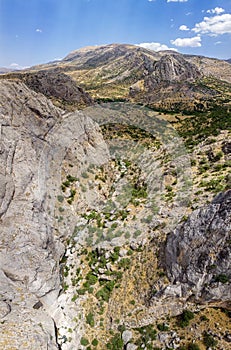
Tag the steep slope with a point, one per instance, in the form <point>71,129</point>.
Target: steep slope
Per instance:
<point>211,67</point>
<point>34,138</point>
<point>198,253</point>
<point>59,87</point>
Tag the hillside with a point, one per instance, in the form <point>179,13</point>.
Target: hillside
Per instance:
<point>163,80</point>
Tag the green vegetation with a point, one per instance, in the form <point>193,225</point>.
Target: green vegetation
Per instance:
<point>67,183</point>
<point>147,336</point>
<point>163,327</point>
<point>203,124</point>
<point>221,278</point>
<point>84,341</point>
<point>190,346</point>
<point>115,343</point>
<point>209,340</point>
<point>90,319</point>
<point>214,185</point>
<point>95,342</point>
<point>116,130</point>
<point>184,318</point>
<point>105,292</point>
<point>60,198</point>
<point>193,346</point>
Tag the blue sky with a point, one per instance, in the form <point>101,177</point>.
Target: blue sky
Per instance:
<point>38,31</point>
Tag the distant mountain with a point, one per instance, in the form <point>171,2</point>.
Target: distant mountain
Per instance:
<point>229,60</point>
<point>4,70</point>
<point>164,80</point>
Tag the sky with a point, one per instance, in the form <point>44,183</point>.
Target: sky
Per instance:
<point>40,31</point>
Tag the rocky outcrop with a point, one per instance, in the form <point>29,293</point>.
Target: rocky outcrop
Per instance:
<point>57,86</point>
<point>197,254</point>
<point>34,140</point>
<point>171,68</point>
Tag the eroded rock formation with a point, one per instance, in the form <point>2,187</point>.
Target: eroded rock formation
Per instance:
<point>32,146</point>
<point>197,254</point>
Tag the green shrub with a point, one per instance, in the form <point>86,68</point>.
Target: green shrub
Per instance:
<point>105,292</point>
<point>84,341</point>
<point>193,346</point>
<point>209,340</point>
<point>94,342</point>
<point>116,343</point>
<point>193,162</point>
<point>221,278</point>
<point>185,317</point>
<point>163,327</point>
<point>90,319</point>
<point>71,178</point>
<point>60,198</point>
<point>92,279</point>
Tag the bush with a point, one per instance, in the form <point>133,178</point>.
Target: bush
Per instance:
<point>193,346</point>
<point>209,340</point>
<point>84,341</point>
<point>116,343</point>
<point>94,342</point>
<point>105,292</point>
<point>163,327</point>
<point>185,317</point>
<point>60,198</point>
<point>90,319</point>
<point>221,278</point>
<point>92,279</point>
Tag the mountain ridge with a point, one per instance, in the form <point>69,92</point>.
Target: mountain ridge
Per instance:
<point>129,72</point>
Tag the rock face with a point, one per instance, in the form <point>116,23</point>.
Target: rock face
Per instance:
<point>171,68</point>
<point>197,254</point>
<point>33,144</point>
<point>56,85</point>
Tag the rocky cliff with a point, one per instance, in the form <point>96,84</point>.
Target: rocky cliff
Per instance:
<point>197,254</point>
<point>31,140</point>
<point>57,86</point>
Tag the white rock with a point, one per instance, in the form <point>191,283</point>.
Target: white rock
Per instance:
<point>126,336</point>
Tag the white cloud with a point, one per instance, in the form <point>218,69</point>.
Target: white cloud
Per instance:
<point>220,24</point>
<point>218,43</point>
<point>17,66</point>
<point>14,65</point>
<point>155,46</point>
<point>183,27</point>
<point>190,42</point>
<point>216,10</point>
<point>177,0</point>
<point>39,30</point>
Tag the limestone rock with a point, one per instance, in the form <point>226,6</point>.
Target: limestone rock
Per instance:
<point>174,68</point>
<point>35,137</point>
<point>126,336</point>
<point>197,253</point>
<point>131,346</point>
<point>59,85</point>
